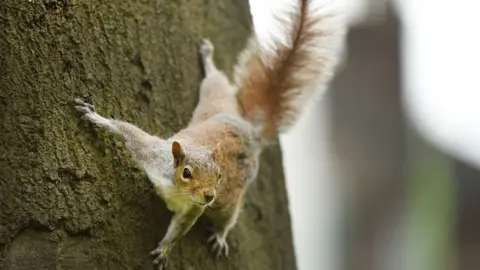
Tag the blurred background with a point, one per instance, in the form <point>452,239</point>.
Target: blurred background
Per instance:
<point>384,171</point>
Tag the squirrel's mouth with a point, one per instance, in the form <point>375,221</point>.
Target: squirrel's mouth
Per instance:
<point>199,202</point>
<point>202,204</point>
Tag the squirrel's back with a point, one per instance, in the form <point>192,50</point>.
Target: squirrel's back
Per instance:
<point>273,85</point>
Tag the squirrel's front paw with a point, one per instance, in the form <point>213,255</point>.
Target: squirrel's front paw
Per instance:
<point>89,114</point>
<point>88,110</point>
<point>161,256</point>
<point>219,244</point>
<point>84,107</point>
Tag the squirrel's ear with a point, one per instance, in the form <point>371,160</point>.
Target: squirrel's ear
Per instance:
<point>177,152</point>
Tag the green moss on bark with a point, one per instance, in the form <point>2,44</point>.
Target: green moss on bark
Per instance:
<point>70,196</point>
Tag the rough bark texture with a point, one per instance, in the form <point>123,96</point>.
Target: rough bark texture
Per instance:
<point>70,196</point>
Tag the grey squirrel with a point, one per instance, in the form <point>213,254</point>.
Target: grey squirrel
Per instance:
<point>207,167</point>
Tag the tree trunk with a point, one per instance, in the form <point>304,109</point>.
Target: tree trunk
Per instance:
<point>70,195</point>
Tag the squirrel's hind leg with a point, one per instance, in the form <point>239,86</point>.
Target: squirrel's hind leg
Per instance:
<point>206,52</point>
<point>216,93</point>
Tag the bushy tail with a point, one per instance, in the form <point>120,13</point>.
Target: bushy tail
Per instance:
<point>274,84</point>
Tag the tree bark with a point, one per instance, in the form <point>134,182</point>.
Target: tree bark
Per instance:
<point>70,195</point>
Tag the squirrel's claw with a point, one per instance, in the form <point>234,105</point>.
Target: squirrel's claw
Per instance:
<point>84,107</point>
<point>161,257</point>
<point>89,114</point>
<point>219,245</point>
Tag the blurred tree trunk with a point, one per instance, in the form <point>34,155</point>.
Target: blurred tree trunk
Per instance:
<point>70,196</point>
<point>468,221</point>
<point>368,134</point>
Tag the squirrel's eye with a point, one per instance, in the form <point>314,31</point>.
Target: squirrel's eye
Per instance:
<point>186,173</point>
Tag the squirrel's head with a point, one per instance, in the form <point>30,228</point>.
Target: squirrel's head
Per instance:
<point>196,174</point>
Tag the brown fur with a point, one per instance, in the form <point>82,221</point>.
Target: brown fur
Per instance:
<point>277,83</point>
<point>229,155</point>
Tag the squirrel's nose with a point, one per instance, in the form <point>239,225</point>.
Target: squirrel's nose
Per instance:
<point>208,198</point>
